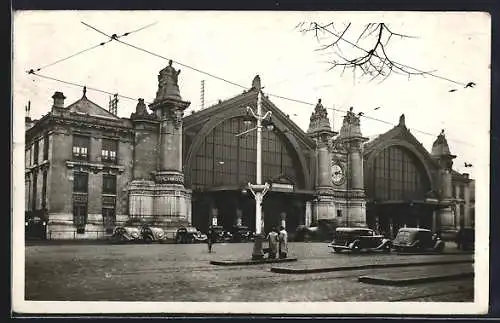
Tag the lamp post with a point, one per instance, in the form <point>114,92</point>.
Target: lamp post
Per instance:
<point>258,189</point>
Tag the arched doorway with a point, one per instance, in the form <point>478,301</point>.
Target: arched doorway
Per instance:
<point>396,188</point>
<point>224,164</point>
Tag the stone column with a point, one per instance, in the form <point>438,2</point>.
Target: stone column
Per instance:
<point>283,219</point>
<point>239,217</point>
<point>446,215</point>
<point>308,215</point>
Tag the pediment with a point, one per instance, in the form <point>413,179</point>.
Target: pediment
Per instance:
<point>85,106</point>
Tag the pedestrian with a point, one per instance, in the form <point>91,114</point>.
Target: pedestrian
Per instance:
<point>210,235</point>
<point>272,239</point>
<point>283,242</point>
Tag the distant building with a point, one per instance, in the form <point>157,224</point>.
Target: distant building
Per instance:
<point>88,170</point>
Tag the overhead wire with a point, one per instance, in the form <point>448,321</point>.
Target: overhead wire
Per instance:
<point>113,37</point>
<point>116,38</point>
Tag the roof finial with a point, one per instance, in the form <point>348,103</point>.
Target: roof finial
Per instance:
<point>84,90</point>
<point>402,120</point>
<point>169,62</point>
<point>442,132</point>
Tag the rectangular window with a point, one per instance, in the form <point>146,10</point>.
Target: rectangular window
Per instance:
<point>109,219</point>
<point>46,147</point>
<point>44,190</point>
<point>109,150</point>
<point>35,153</point>
<point>109,184</point>
<point>462,191</point>
<point>81,145</point>
<point>339,213</point>
<point>80,182</point>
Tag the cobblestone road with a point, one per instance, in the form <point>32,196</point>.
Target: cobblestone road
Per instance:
<point>183,273</point>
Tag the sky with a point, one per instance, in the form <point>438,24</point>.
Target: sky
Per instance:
<point>237,46</point>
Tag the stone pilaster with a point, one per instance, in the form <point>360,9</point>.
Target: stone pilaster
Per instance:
<point>320,131</point>
<point>352,141</point>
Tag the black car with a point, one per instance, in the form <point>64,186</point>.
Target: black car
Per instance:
<point>359,239</point>
<point>190,235</point>
<point>465,239</point>
<point>417,240</point>
<point>241,233</point>
<point>219,234</point>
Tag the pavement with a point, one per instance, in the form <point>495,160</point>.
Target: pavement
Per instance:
<point>170,272</point>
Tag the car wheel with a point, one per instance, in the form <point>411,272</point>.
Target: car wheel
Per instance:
<point>387,248</point>
<point>336,250</point>
<point>148,239</point>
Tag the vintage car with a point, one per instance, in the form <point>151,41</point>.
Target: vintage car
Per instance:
<point>359,239</point>
<point>189,235</point>
<point>241,233</point>
<point>219,234</point>
<point>136,230</point>
<point>465,239</point>
<point>417,240</point>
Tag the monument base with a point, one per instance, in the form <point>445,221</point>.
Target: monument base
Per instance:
<point>164,205</point>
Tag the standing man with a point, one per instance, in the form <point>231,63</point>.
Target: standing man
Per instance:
<point>283,243</point>
<point>210,236</point>
<point>272,239</point>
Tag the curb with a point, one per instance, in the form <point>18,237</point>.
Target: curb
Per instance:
<point>284,270</point>
<point>414,280</point>
<point>250,262</point>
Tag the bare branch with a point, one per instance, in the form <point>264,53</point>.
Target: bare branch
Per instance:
<point>374,62</point>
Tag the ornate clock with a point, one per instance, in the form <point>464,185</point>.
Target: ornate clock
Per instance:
<point>338,176</point>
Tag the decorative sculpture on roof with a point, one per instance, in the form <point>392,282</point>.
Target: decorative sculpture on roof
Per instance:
<point>351,117</point>
<point>402,120</point>
<point>168,86</point>
<point>319,119</point>
<point>140,108</point>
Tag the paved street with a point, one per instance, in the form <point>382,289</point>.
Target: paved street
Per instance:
<point>182,273</point>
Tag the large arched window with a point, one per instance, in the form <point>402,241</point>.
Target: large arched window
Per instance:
<point>397,175</point>
<point>224,159</point>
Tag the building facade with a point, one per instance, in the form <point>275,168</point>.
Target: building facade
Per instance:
<point>87,170</point>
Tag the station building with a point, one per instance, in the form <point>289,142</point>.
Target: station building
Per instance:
<point>88,170</point>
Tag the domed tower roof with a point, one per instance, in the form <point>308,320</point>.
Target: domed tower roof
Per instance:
<point>441,151</point>
<point>440,146</point>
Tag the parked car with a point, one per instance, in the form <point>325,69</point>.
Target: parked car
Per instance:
<point>190,235</point>
<point>417,240</point>
<point>465,239</point>
<point>241,233</point>
<point>359,239</point>
<point>136,230</point>
<point>220,235</point>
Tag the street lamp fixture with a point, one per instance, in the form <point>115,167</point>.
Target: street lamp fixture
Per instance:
<point>258,189</point>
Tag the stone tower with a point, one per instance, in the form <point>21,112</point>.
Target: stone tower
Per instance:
<point>441,154</point>
<point>321,132</point>
<point>351,139</point>
<point>157,191</point>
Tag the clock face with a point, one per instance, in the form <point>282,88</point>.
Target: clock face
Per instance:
<point>337,174</point>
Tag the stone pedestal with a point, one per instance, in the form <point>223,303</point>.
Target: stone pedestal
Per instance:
<point>324,209</point>
<point>166,205</point>
<point>356,213</point>
<point>446,219</point>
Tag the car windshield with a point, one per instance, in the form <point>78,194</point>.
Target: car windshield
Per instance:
<point>403,236</point>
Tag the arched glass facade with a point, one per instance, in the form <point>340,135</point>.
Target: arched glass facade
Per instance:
<point>226,160</point>
<point>397,175</point>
